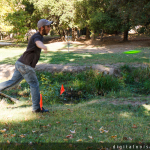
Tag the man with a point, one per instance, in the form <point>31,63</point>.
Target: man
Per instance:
<point>24,66</point>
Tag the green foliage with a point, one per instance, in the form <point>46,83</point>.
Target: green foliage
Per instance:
<point>107,22</point>
<point>17,19</point>
<point>50,92</point>
<point>5,8</point>
<point>141,30</point>
<point>60,11</point>
<point>80,84</point>
<point>110,15</point>
<point>136,78</point>
<point>106,83</point>
<point>84,85</point>
<point>22,18</point>
<point>146,85</point>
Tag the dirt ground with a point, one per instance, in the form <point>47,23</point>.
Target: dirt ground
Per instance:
<point>110,44</point>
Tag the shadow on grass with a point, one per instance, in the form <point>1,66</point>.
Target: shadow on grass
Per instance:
<point>86,58</point>
<point>50,133</point>
<point>89,58</point>
<point>10,60</point>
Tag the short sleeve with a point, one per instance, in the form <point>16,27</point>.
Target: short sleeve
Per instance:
<point>37,38</point>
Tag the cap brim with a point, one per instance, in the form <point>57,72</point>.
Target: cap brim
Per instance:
<point>49,23</point>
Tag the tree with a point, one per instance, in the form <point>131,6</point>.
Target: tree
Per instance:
<point>112,16</point>
<point>22,18</point>
<point>82,15</point>
<point>103,19</point>
<point>5,8</point>
<point>95,15</point>
<point>59,11</point>
<point>131,13</point>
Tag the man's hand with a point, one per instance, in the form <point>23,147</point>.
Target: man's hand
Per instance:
<point>45,49</point>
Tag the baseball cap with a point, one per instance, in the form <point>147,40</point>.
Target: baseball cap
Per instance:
<point>43,22</point>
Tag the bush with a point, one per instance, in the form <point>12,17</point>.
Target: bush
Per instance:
<point>136,78</point>
<point>106,83</point>
<point>147,86</point>
<point>141,30</point>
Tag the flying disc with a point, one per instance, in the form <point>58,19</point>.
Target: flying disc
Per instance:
<point>132,51</point>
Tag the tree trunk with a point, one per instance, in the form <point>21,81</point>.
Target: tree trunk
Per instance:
<point>73,36</point>
<point>102,35</point>
<point>87,33</point>
<point>59,32</point>
<point>125,38</point>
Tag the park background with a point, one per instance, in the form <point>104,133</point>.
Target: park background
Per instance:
<point>106,98</point>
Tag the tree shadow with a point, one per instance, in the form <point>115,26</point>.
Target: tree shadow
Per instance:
<point>10,60</point>
<point>107,113</point>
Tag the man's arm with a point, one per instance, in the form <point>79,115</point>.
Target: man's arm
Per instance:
<point>39,44</point>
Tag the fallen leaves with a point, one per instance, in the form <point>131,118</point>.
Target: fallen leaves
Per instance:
<point>8,141</point>
<point>79,140</point>
<point>49,125</point>
<point>90,137</point>
<point>2,131</point>
<point>125,138</point>
<point>130,138</point>
<point>114,136</point>
<point>73,131</point>
<point>102,130</point>
<point>5,135</point>
<point>70,136</point>
<point>22,135</point>
<point>13,135</point>
<point>134,126</point>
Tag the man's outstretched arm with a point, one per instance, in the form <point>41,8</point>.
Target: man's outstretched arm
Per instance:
<point>39,44</point>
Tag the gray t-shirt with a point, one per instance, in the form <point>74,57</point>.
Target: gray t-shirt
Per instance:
<point>32,54</point>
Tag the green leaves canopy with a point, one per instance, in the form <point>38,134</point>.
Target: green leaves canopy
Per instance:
<point>110,15</point>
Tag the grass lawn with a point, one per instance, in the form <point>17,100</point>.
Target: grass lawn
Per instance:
<point>95,121</point>
<point>90,124</point>
<point>9,55</point>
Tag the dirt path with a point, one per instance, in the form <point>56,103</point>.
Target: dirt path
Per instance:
<point>107,46</point>
<point>6,71</point>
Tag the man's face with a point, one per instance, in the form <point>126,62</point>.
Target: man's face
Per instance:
<point>45,30</point>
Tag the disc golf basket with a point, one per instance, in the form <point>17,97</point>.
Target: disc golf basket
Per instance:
<point>68,40</point>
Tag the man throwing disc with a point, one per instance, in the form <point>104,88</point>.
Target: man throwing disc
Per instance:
<point>24,66</point>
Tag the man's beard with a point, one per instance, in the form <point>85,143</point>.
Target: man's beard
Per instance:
<point>44,32</point>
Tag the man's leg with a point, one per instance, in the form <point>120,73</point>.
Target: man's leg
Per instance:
<point>32,80</point>
<point>16,78</point>
<point>30,76</point>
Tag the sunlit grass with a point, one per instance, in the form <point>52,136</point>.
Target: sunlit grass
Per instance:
<point>85,119</point>
<point>9,55</point>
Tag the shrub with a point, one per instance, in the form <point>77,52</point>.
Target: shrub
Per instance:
<point>147,86</point>
<point>106,83</point>
<point>141,30</point>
